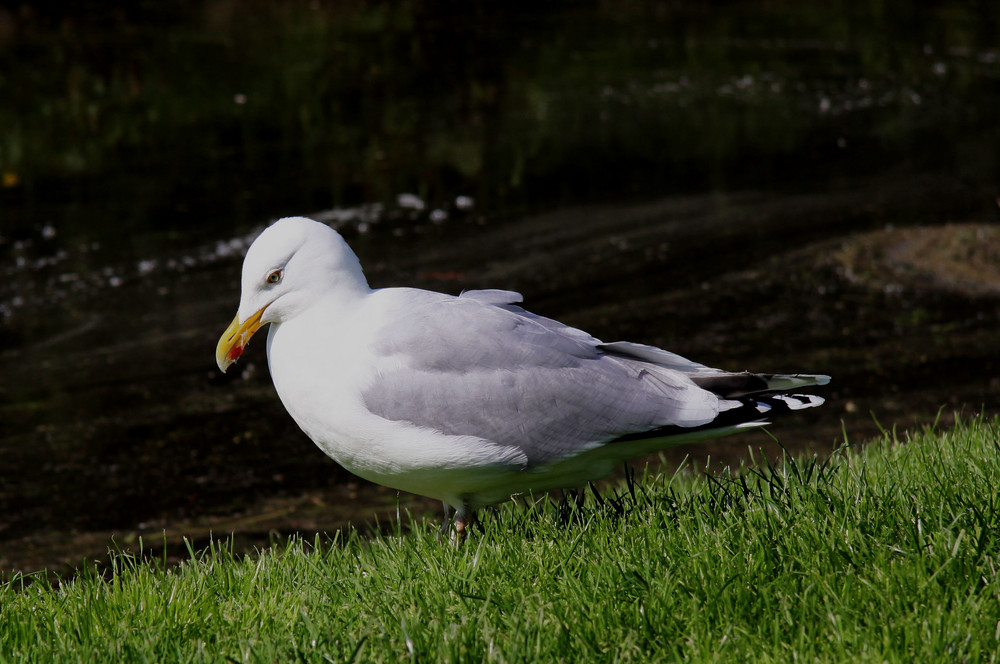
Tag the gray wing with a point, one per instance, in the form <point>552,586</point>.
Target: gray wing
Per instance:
<point>479,365</point>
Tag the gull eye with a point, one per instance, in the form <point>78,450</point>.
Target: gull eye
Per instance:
<point>274,277</point>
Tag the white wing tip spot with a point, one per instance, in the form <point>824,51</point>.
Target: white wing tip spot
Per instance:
<point>800,401</point>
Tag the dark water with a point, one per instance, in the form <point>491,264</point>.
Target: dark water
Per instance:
<point>754,186</point>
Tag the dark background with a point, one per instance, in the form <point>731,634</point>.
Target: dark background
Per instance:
<point>757,185</point>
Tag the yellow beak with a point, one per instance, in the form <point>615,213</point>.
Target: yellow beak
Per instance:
<point>235,339</point>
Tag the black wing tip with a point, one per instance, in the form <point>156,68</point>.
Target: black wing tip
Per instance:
<point>752,411</point>
<point>736,385</point>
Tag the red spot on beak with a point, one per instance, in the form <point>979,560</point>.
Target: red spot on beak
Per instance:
<point>235,352</point>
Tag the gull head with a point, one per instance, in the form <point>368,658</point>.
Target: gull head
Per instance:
<point>291,265</point>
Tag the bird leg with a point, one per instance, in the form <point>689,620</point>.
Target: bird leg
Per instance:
<point>449,511</point>
<point>462,521</point>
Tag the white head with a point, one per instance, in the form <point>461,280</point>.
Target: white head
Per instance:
<point>292,264</point>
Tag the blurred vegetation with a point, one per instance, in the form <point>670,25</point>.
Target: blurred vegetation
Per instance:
<point>168,114</point>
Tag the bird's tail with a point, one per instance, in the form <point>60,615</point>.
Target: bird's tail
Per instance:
<point>725,384</point>
<point>735,385</point>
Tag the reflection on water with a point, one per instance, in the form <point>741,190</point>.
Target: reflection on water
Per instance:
<point>169,117</point>
<point>720,164</point>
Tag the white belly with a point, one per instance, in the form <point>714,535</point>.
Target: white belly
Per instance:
<point>321,388</point>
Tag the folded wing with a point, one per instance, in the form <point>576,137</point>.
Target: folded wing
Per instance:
<point>479,365</point>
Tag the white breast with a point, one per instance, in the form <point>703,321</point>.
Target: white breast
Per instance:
<point>321,363</point>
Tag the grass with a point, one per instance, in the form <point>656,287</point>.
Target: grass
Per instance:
<point>883,553</point>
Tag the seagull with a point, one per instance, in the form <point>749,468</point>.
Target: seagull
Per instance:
<point>470,399</point>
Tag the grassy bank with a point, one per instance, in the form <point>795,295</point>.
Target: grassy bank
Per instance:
<point>883,553</point>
